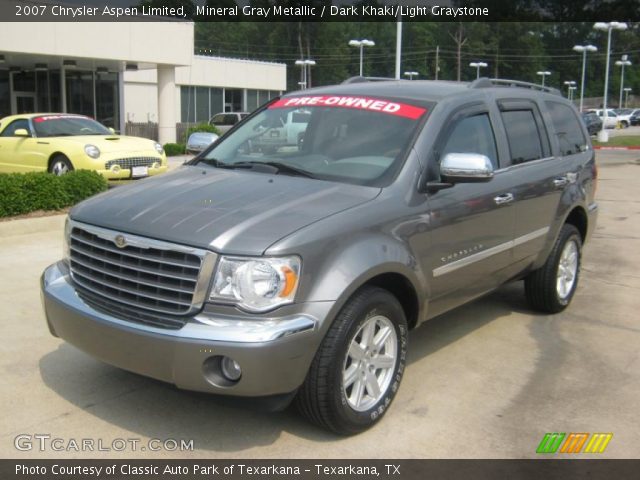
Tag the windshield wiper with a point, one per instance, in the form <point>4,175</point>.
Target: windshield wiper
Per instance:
<point>214,162</point>
<point>278,166</point>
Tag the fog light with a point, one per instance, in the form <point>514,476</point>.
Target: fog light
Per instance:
<point>155,165</point>
<point>115,168</point>
<point>231,369</point>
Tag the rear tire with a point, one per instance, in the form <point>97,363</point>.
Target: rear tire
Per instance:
<point>60,165</point>
<point>551,287</point>
<point>359,366</point>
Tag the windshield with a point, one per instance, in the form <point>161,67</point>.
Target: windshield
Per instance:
<point>349,139</point>
<point>67,125</point>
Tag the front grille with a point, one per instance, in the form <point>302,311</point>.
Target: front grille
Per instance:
<point>125,312</point>
<point>154,278</point>
<point>128,163</point>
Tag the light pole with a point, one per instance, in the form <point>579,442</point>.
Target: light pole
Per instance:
<point>411,74</point>
<point>603,136</point>
<point>543,74</point>
<point>583,49</point>
<point>478,66</point>
<point>361,44</point>
<point>571,89</point>
<point>304,64</point>
<point>569,84</point>
<point>622,63</point>
<point>626,96</point>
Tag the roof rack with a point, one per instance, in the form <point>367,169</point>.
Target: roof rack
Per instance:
<point>359,79</point>
<point>502,82</point>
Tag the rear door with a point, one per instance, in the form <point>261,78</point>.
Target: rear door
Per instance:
<point>544,169</point>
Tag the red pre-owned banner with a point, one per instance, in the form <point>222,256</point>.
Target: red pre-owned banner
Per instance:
<point>361,103</point>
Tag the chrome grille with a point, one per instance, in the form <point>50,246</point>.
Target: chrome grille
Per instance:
<point>144,275</point>
<point>128,163</point>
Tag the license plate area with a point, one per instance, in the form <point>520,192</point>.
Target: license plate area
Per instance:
<point>139,172</point>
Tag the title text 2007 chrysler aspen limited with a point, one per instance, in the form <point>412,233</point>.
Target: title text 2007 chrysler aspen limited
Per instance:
<point>295,269</point>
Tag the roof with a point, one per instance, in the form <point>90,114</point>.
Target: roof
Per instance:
<point>426,90</point>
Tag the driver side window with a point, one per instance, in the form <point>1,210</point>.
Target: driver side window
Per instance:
<point>16,125</point>
<point>472,135</point>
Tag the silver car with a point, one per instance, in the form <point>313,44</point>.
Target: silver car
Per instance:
<point>200,141</point>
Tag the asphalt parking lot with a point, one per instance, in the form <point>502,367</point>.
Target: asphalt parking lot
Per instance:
<point>487,380</point>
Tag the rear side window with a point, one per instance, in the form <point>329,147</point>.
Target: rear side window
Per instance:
<point>523,135</point>
<point>567,129</point>
<point>473,135</point>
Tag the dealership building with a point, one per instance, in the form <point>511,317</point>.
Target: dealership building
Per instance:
<point>127,72</point>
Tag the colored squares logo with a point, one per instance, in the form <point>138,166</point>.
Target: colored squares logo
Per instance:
<point>574,443</point>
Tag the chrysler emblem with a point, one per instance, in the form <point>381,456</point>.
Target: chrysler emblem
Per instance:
<point>120,241</point>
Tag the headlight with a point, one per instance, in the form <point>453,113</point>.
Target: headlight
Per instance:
<point>256,284</point>
<point>158,148</point>
<point>92,151</point>
<point>66,240</point>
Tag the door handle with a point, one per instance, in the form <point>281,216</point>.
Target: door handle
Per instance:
<point>560,182</point>
<point>503,199</point>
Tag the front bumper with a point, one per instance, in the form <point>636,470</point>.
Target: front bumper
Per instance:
<point>274,353</point>
<point>125,173</point>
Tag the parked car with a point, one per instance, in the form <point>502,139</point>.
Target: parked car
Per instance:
<point>592,122</point>
<point>60,142</point>
<point>225,121</point>
<point>199,141</point>
<point>285,130</point>
<point>635,117</point>
<point>624,116</point>
<point>298,274</point>
<point>611,120</point>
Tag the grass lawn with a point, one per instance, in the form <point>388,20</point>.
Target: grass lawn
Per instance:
<point>621,141</point>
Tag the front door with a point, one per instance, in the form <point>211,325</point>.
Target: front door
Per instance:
<point>472,223</point>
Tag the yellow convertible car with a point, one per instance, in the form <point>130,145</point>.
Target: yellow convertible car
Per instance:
<point>60,142</point>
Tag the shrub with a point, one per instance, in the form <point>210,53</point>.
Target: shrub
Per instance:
<point>173,149</point>
<point>201,127</point>
<point>27,192</point>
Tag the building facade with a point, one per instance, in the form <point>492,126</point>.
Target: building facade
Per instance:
<point>126,72</point>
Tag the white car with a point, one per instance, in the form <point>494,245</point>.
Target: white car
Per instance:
<point>612,118</point>
<point>624,116</point>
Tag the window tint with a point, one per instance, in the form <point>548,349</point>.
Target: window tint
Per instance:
<point>231,119</point>
<point>523,135</point>
<point>15,125</point>
<point>473,135</point>
<point>218,119</point>
<point>565,123</point>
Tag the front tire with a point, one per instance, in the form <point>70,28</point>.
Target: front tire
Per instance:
<point>551,287</point>
<point>359,365</point>
<point>60,165</point>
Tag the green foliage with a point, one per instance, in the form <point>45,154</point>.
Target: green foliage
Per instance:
<point>27,192</point>
<point>173,149</point>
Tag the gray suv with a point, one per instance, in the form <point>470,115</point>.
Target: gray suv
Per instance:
<point>297,273</point>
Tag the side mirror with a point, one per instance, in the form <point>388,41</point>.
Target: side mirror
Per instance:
<point>466,168</point>
<point>21,132</point>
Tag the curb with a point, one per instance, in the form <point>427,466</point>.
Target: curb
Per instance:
<point>635,147</point>
<point>25,226</point>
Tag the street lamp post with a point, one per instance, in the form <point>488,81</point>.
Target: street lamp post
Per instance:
<point>583,49</point>
<point>622,63</point>
<point>411,74</point>
<point>569,84</point>
<point>543,74</point>
<point>304,64</point>
<point>626,96</point>
<point>478,66</point>
<point>571,89</point>
<point>603,136</point>
<point>361,44</point>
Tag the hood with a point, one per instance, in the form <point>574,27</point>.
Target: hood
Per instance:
<point>229,211</point>
<point>111,143</point>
